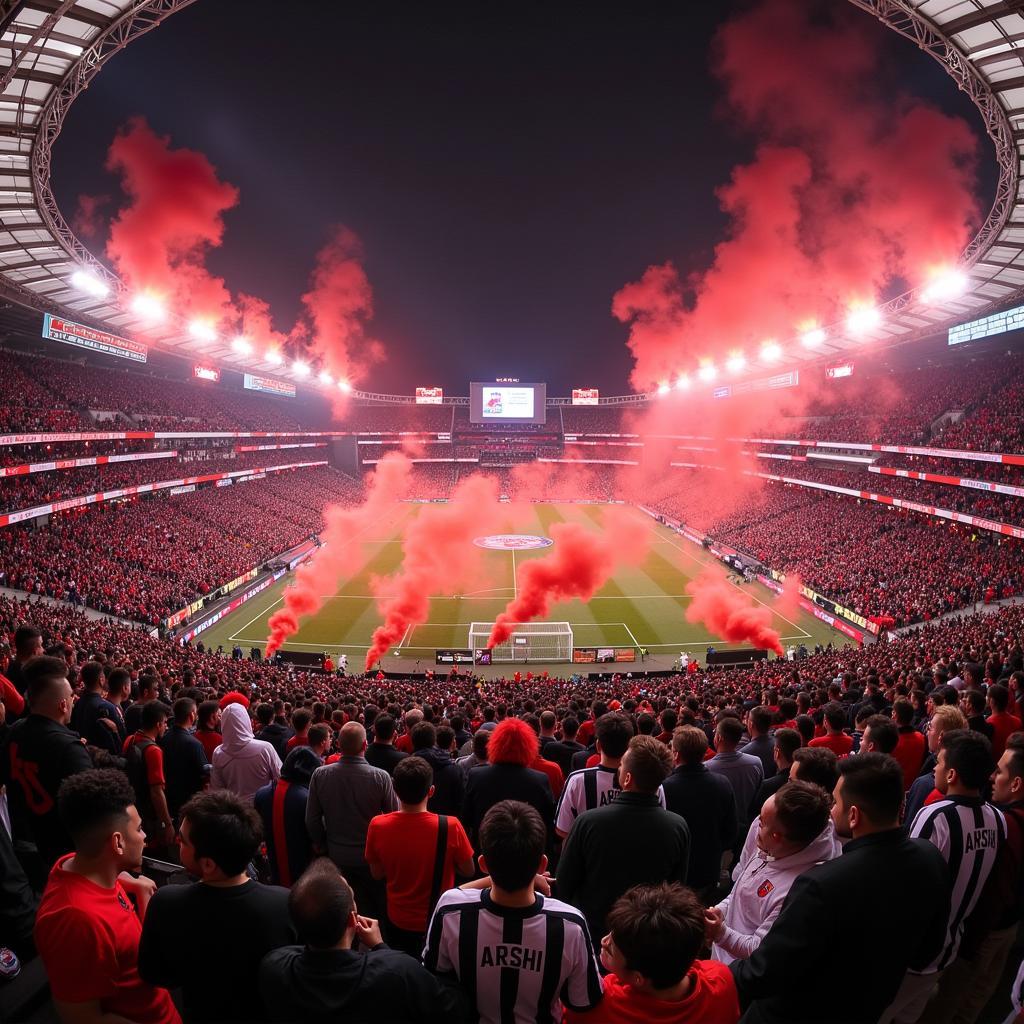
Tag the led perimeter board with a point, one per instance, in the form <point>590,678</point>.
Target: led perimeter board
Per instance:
<point>507,403</point>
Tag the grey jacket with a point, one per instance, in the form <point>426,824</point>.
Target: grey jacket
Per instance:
<point>343,797</point>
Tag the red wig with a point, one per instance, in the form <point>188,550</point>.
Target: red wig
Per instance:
<point>234,697</point>
<point>513,742</point>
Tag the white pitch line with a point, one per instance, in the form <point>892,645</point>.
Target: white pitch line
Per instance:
<point>405,636</point>
<point>515,585</point>
<point>688,554</point>
<point>630,632</point>
<point>237,635</point>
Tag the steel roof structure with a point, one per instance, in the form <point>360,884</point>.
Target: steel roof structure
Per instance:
<point>51,49</point>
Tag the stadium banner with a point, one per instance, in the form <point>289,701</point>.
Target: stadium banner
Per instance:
<point>453,657</point>
<point>585,396</point>
<point>184,489</point>
<point>89,460</point>
<point>952,481</point>
<point>429,396</point>
<point>277,447</point>
<point>997,323</point>
<point>268,385</point>
<point>234,605</point>
<point>160,435</point>
<point>1013,459</point>
<point>806,600</point>
<point>25,514</point>
<point>187,612</point>
<point>842,370</point>
<point>584,655</point>
<point>56,328</point>
<point>210,373</point>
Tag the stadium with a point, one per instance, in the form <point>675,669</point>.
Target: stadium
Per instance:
<point>708,605</point>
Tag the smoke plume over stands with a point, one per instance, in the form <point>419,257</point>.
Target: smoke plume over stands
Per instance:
<point>730,614</point>
<point>852,189</point>
<point>173,214</point>
<point>438,551</point>
<point>341,552</point>
<point>579,564</point>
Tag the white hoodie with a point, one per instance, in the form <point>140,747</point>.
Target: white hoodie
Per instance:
<point>242,763</point>
<point>761,885</point>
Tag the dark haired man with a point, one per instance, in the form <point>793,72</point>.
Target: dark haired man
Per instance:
<point>87,931</point>
<point>792,834</point>
<point>654,935</point>
<point>632,841</point>
<point>185,762</point>
<point>93,717</point>
<point>149,690</point>
<point>381,753</point>
<point>968,832</point>
<point>220,834</point>
<point>787,743</point>
<point>743,772</point>
<point>835,738</point>
<point>790,977</point>
<point>144,762</point>
<point>327,980</point>
<point>561,751</point>
<point>911,747</point>
<point>449,783</point>
<point>880,735</point>
<point>761,744</point>
<point>517,953</point>
<point>208,727</point>
<point>417,852</point>
<point>28,644</point>
<point>816,764</point>
<point>39,752</point>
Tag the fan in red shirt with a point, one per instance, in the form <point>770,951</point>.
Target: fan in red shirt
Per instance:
<point>836,740</point>
<point>655,933</point>
<point>300,723</point>
<point>910,748</point>
<point>417,854</point>
<point>87,930</point>
<point>1001,721</point>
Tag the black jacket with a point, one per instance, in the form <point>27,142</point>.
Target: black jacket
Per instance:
<point>767,788</point>
<point>631,841</point>
<point>277,734</point>
<point>562,752</point>
<point>491,783</point>
<point>886,897</point>
<point>326,986</point>
<point>37,756</point>
<point>448,782</point>
<point>384,755</point>
<point>186,766</point>
<point>85,720</point>
<point>706,803</point>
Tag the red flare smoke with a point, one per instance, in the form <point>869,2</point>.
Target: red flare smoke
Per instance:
<point>175,213</point>
<point>730,614</point>
<point>317,579</point>
<point>437,550</point>
<point>579,564</point>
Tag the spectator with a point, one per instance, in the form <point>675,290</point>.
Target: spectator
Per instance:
<point>654,935</point>
<point>149,690</point>
<point>275,730</point>
<point>790,836</point>
<point>185,760</point>
<point>343,798</point>
<point>968,832</point>
<point>448,781</point>
<point>761,745</point>
<point>281,806</point>
<point>478,754</point>
<point>93,716</point>
<point>1002,722</point>
<point>144,759</point>
<point>327,980</point>
<point>743,772</point>
<point>38,754</point>
<point>301,719</point>
<point>381,753</point>
<point>208,727</point>
<point>418,853</point>
<point>973,706</point>
<point>816,764</point>
<point>220,834</point>
<point>922,792</point>
<point>554,960</point>
<point>562,751</point>
<point>87,931</point>
<point>242,763</point>
<point>511,749</point>
<point>28,644</point>
<point>789,978</point>
<point>631,841</point>
<point>787,743</point>
<point>910,747</point>
<point>835,738</point>
<point>705,802</point>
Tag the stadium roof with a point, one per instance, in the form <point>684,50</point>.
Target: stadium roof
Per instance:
<point>51,49</point>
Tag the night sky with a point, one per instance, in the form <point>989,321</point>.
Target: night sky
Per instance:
<point>507,166</point>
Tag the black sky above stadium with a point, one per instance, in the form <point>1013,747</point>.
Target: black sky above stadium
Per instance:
<point>507,166</point>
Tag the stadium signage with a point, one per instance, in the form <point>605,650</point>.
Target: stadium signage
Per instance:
<point>429,396</point>
<point>268,385</point>
<point>56,328</point>
<point>602,655</point>
<point>997,323</point>
<point>450,657</point>
<point>513,542</point>
<point>842,370</point>
<point>585,396</point>
<point>227,610</point>
<point>201,372</point>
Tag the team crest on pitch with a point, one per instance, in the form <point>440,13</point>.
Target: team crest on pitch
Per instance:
<point>513,542</point>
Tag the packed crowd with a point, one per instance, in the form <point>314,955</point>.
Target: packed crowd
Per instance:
<point>145,559</point>
<point>680,848</point>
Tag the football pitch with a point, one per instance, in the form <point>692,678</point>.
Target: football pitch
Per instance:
<point>639,606</point>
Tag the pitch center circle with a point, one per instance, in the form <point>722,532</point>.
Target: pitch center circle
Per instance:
<point>513,542</point>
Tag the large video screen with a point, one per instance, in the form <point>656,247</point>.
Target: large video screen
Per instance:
<point>507,403</point>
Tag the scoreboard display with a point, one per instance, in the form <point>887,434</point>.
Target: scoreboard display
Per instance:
<point>504,402</point>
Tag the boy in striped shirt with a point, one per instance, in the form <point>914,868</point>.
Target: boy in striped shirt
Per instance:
<point>515,950</point>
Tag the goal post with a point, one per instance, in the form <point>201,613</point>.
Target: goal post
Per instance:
<point>535,642</point>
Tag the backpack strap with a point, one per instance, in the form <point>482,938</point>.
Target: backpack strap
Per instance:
<point>440,853</point>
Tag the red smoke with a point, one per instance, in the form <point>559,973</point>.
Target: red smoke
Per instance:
<point>730,614</point>
<point>175,213</point>
<point>317,579</point>
<point>438,552</point>
<point>854,188</point>
<point>86,220</point>
<point>579,564</point>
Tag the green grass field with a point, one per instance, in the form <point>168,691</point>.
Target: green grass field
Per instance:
<point>641,607</point>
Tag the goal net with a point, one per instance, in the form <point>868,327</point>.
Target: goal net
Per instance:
<point>529,642</point>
